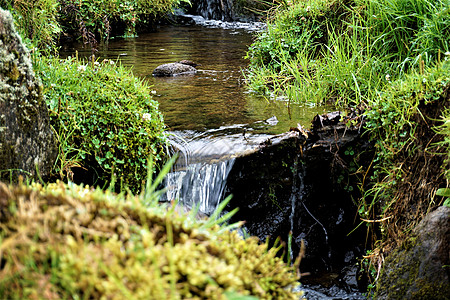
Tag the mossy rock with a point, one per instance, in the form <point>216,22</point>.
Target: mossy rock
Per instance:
<point>67,241</point>
<point>27,143</point>
<point>419,269</point>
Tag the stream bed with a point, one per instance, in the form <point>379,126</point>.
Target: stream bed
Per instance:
<point>214,97</point>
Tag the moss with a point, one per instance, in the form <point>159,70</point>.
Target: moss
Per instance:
<point>403,278</point>
<point>397,280</point>
<point>14,73</point>
<point>96,244</point>
<point>415,269</point>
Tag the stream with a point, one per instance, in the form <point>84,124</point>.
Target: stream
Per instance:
<point>211,116</point>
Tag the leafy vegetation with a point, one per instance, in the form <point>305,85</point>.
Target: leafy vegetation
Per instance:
<point>105,119</point>
<point>43,21</point>
<point>407,124</point>
<point>67,241</point>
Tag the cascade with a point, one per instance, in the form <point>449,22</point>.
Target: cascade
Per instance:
<point>214,9</point>
<point>205,159</point>
<point>200,184</point>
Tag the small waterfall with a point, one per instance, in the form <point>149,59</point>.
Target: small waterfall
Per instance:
<point>296,193</point>
<point>214,9</point>
<point>199,176</point>
<point>199,184</point>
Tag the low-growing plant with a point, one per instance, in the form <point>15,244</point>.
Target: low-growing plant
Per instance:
<point>105,119</point>
<point>69,241</point>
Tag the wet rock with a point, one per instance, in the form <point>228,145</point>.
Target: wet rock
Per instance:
<point>27,143</point>
<point>183,67</point>
<point>419,269</point>
<point>300,182</point>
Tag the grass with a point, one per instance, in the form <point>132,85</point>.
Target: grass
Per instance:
<point>345,50</point>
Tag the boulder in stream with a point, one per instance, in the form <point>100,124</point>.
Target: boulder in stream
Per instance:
<point>183,67</point>
<point>27,143</point>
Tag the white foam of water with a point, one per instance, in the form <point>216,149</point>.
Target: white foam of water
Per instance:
<point>200,184</point>
<point>248,26</point>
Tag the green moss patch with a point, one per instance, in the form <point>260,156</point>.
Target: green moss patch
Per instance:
<point>67,241</point>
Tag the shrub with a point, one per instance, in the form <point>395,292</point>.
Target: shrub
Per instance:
<point>67,241</point>
<point>42,21</point>
<point>105,119</point>
<point>100,17</point>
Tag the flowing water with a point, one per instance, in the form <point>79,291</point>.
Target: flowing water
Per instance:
<point>211,115</point>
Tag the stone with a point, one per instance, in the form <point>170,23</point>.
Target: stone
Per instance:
<point>419,268</point>
<point>27,143</point>
<point>300,182</point>
<point>183,67</point>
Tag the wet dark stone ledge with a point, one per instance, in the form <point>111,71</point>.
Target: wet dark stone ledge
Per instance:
<point>301,182</point>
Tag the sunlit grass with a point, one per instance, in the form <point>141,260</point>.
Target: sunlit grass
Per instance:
<point>351,50</point>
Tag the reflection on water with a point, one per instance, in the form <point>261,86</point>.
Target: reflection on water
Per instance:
<point>216,95</point>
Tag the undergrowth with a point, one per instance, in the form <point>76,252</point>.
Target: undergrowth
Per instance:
<point>408,123</point>
<point>105,119</point>
<point>389,59</point>
<point>66,241</point>
<point>43,22</point>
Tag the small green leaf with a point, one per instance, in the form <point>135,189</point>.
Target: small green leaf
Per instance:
<point>447,202</point>
<point>443,192</point>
